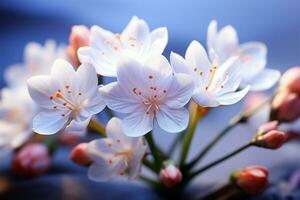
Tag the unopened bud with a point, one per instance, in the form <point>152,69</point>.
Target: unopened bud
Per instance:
<point>31,160</point>
<point>79,155</point>
<point>285,107</point>
<point>269,126</point>
<point>252,180</point>
<point>79,37</point>
<point>290,80</point>
<point>170,176</point>
<point>271,140</point>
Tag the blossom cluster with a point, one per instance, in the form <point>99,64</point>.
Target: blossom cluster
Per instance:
<point>65,91</point>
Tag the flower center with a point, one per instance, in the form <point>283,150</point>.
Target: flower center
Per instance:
<point>151,98</point>
<point>61,101</point>
<point>127,153</point>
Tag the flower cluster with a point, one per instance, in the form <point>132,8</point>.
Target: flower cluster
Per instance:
<point>67,90</point>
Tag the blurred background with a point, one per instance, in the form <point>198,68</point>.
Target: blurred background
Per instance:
<point>274,22</point>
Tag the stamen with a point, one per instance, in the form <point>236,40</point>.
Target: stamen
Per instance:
<point>211,78</point>
<point>118,37</point>
<point>132,38</point>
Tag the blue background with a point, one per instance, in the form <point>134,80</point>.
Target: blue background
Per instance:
<point>274,22</point>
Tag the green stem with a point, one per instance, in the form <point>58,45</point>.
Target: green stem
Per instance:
<point>150,165</point>
<point>154,151</point>
<point>216,162</point>
<point>51,143</point>
<point>233,122</point>
<point>190,131</point>
<point>149,181</point>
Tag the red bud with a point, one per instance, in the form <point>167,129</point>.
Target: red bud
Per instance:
<point>170,176</point>
<point>252,180</point>
<point>79,155</point>
<point>31,160</point>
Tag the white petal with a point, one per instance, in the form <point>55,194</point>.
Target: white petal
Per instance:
<point>159,67</point>
<point>63,72</point>
<point>159,37</point>
<point>211,37</point>
<point>86,80</point>
<point>136,162</point>
<point>130,73</point>
<point>78,127</point>
<point>119,99</point>
<point>114,130</point>
<point>138,123</point>
<point>229,70</point>
<point>48,122</point>
<point>197,57</point>
<point>233,97</point>
<point>94,105</point>
<point>172,120</point>
<point>41,88</point>
<point>14,71</point>
<point>100,151</point>
<point>99,36</point>
<point>103,65</point>
<point>227,43</point>
<point>179,65</point>
<point>264,80</point>
<point>253,58</point>
<point>103,173</point>
<point>180,91</point>
<point>137,28</point>
<point>204,99</point>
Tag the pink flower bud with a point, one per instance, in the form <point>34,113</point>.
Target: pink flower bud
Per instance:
<point>252,180</point>
<point>79,37</point>
<point>170,176</point>
<point>286,107</point>
<point>269,126</point>
<point>32,160</point>
<point>271,140</point>
<point>79,155</point>
<point>291,80</point>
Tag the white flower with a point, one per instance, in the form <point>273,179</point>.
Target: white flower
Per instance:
<point>136,41</point>
<point>38,60</point>
<point>215,85</point>
<point>252,57</point>
<point>115,155</point>
<point>17,111</point>
<point>148,92</point>
<point>68,98</point>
